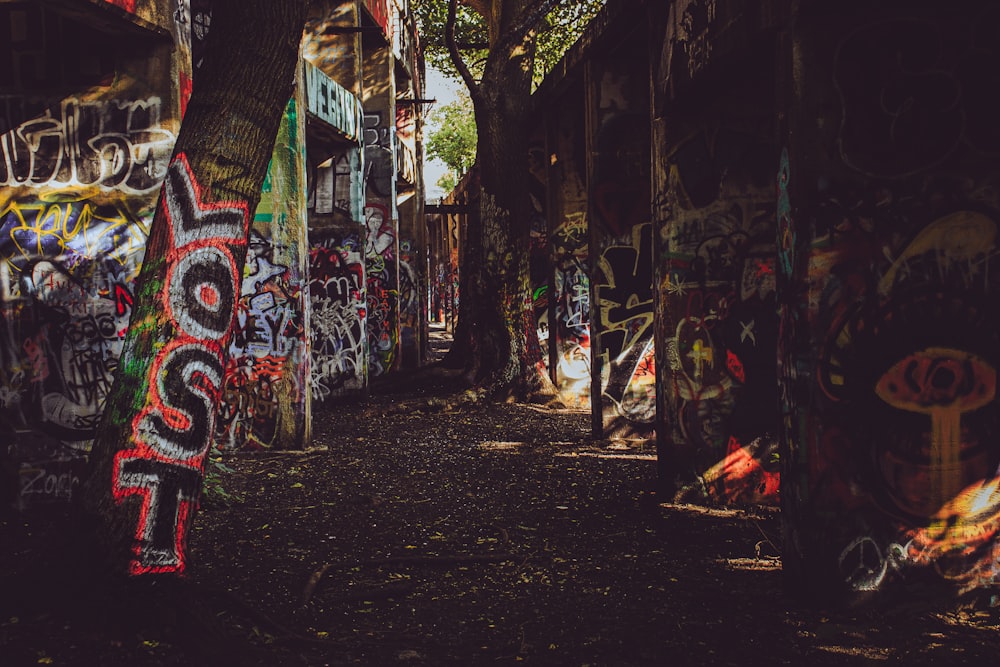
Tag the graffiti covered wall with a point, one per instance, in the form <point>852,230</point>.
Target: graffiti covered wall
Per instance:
<point>265,395</point>
<point>569,305</point>
<point>888,214</point>
<point>337,283</point>
<point>382,278</point>
<point>338,304</point>
<point>413,282</point>
<point>716,312</point>
<point>79,176</point>
<point>380,215</point>
<point>621,244</point>
<point>412,288</point>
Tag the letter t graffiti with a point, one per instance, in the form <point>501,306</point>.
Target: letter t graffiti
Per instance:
<point>172,433</point>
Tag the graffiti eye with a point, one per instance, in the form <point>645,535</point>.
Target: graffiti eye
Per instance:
<point>942,378</point>
<point>938,378</point>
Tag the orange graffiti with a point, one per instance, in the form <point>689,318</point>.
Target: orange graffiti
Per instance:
<point>959,542</point>
<point>944,384</point>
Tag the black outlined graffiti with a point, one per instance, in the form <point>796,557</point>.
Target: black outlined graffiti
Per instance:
<point>173,432</point>
<point>625,306</point>
<point>113,145</point>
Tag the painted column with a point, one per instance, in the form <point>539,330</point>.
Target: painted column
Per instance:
<point>714,157</point>
<point>623,400</point>
<point>336,204</point>
<point>381,216</point>
<point>337,285</point>
<point>412,234</point>
<point>266,390</point>
<point>887,213</point>
<point>539,264</point>
<point>569,328</point>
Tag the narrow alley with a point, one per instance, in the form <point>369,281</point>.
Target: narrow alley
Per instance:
<point>744,248</point>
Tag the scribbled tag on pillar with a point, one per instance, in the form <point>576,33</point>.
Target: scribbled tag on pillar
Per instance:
<point>173,431</point>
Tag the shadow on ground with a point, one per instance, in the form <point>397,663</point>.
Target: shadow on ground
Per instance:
<point>414,532</point>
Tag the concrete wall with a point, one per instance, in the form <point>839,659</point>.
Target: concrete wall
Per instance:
<point>714,152</point>
<point>266,388</point>
<point>85,145</point>
<point>568,317</point>
<point>336,204</point>
<point>381,215</point>
<point>91,100</point>
<point>593,257</point>
<point>621,241</point>
<point>887,224</point>
<point>816,258</point>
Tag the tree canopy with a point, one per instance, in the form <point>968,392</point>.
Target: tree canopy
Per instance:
<point>452,138</point>
<point>553,36</point>
<point>500,50</point>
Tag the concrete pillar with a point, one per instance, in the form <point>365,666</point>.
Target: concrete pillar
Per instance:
<point>266,390</point>
<point>569,243</point>
<point>621,324</point>
<point>381,215</point>
<point>714,160</point>
<point>887,213</point>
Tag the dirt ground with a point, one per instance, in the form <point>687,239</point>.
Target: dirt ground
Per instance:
<point>413,532</point>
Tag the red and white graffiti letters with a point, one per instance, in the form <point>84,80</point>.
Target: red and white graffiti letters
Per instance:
<point>173,432</point>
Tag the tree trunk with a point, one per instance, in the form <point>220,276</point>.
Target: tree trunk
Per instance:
<point>148,459</point>
<point>496,299</point>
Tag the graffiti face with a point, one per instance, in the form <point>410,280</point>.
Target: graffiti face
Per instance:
<point>943,384</point>
<point>381,236</point>
<point>902,295</point>
<point>173,432</point>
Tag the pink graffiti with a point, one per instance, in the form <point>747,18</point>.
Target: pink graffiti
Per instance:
<point>127,5</point>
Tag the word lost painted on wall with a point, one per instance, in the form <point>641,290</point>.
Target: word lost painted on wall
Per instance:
<point>173,432</point>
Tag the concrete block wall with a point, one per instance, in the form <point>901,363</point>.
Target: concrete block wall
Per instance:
<point>86,141</point>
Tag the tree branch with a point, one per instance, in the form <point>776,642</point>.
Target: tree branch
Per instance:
<point>462,46</point>
<point>456,56</point>
<point>521,26</point>
<point>482,7</point>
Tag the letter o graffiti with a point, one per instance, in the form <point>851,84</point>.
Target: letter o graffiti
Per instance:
<point>202,292</point>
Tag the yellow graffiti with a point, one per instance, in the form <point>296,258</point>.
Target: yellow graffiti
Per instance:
<point>944,384</point>
<point>959,237</point>
<point>48,229</point>
<point>701,354</point>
